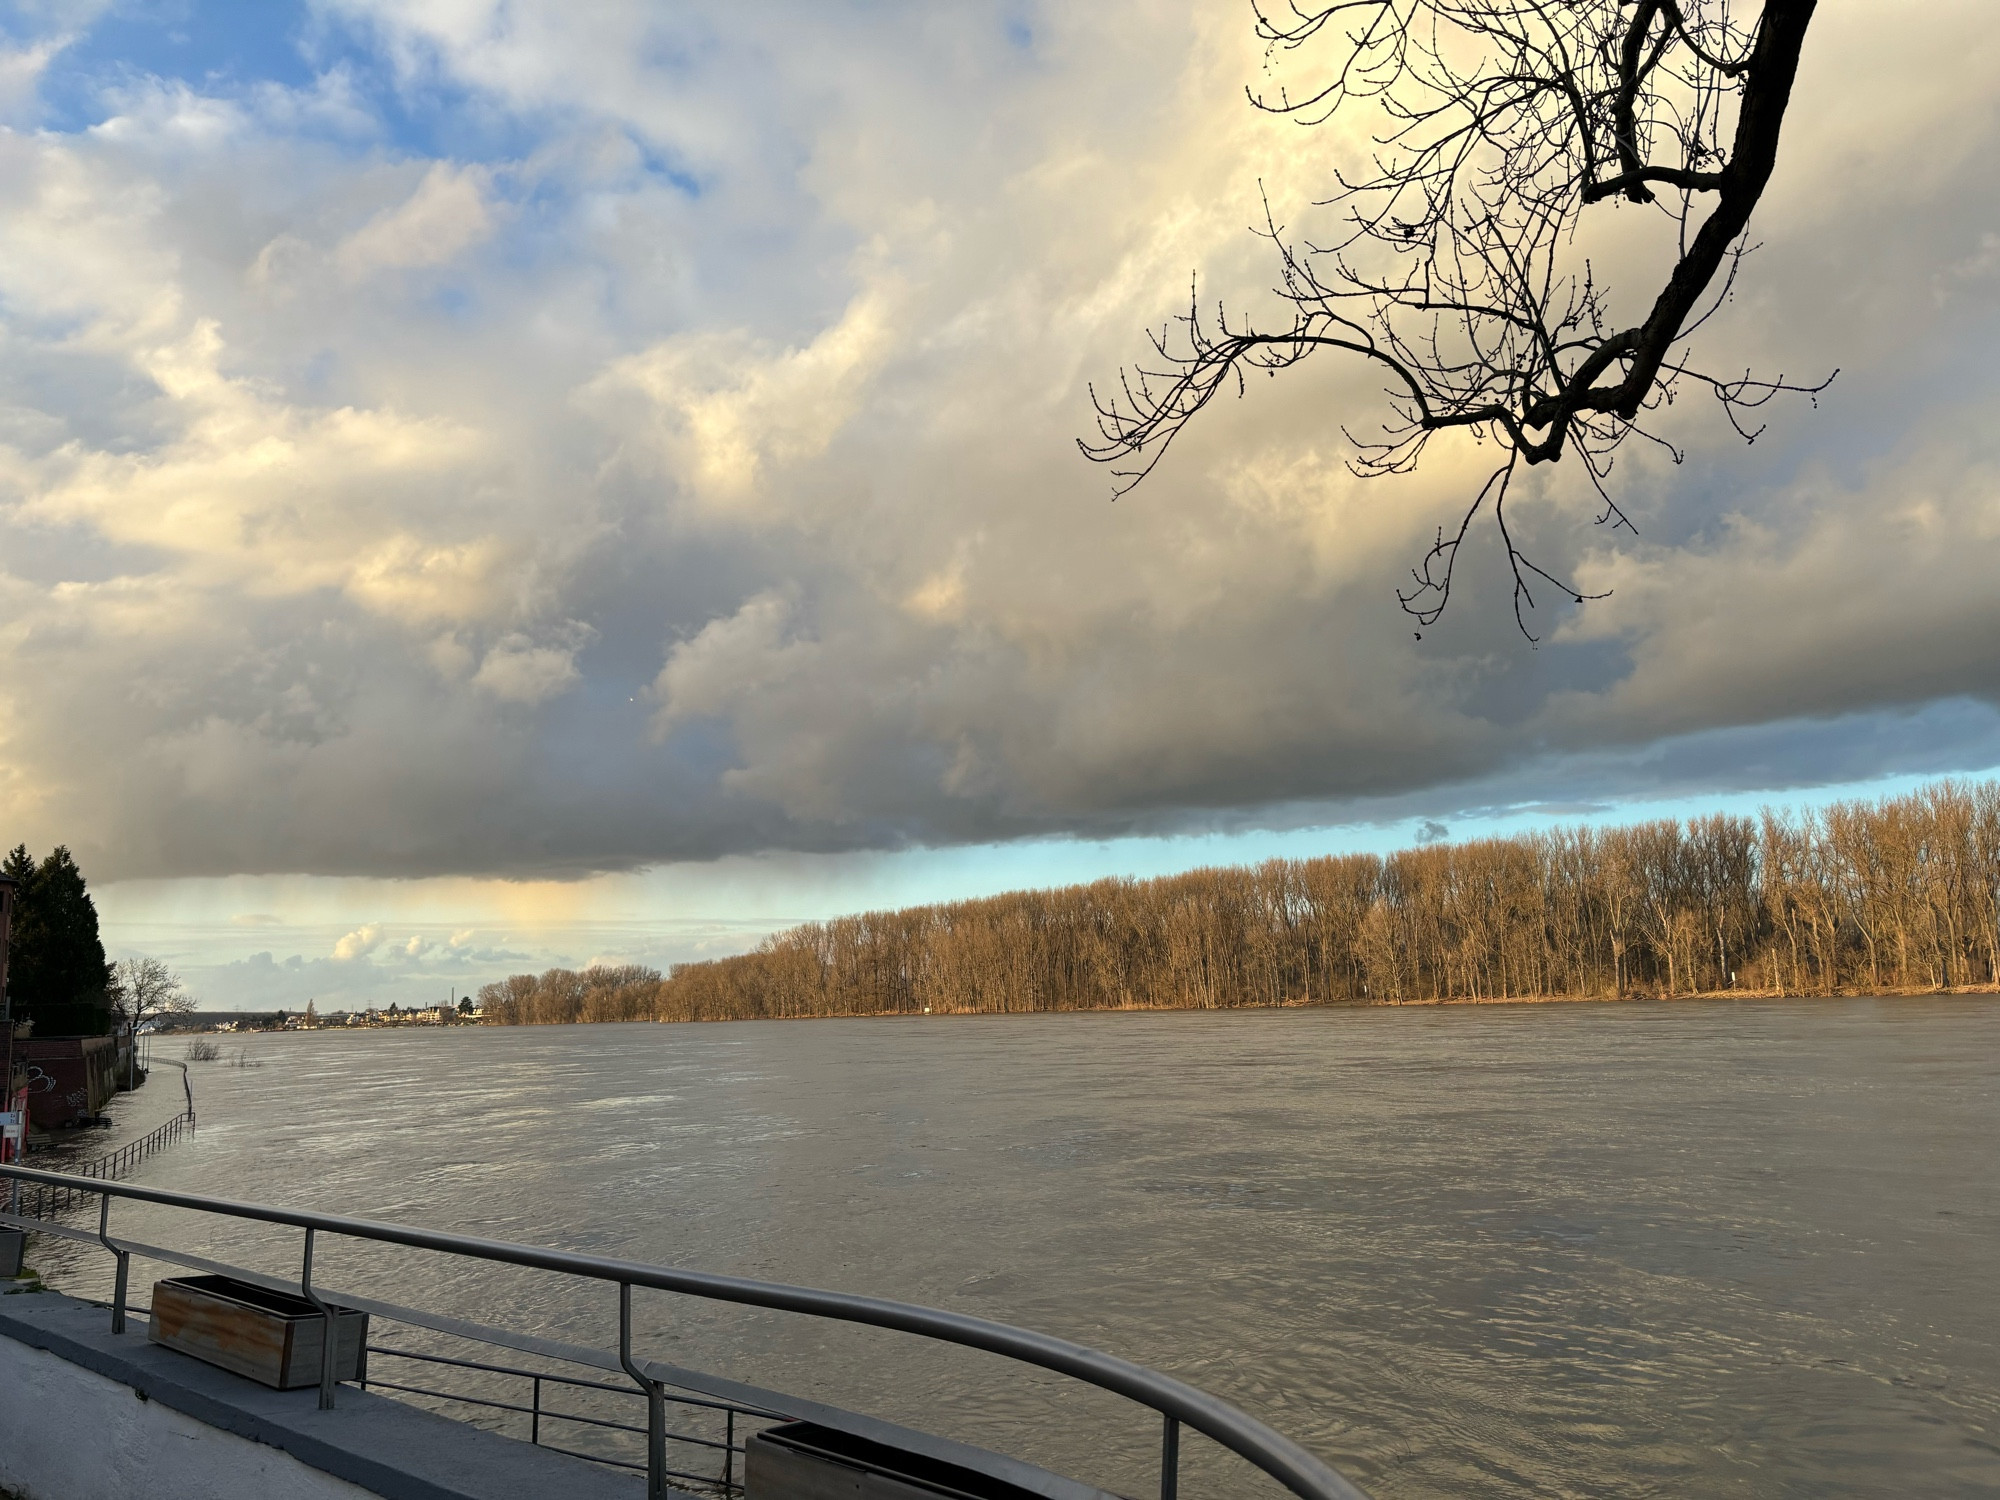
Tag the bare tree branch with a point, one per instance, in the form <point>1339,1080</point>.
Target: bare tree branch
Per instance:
<point>1455,270</point>
<point>145,988</point>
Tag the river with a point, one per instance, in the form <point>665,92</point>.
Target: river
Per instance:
<point>1702,1248</point>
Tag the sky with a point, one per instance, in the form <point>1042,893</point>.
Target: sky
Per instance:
<point>485,485</point>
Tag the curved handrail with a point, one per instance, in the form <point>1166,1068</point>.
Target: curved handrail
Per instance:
<point>1277,1455</point>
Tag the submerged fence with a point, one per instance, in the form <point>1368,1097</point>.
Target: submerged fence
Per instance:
<point>44,1200</point>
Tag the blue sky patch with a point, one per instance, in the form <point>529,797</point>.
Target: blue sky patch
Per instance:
<point>222,47</point>
<point>230,49</point>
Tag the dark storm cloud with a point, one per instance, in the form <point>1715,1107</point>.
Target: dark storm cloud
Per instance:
<point>687,469</point>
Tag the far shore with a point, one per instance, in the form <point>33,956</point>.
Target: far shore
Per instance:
<point>1884,993</point>
<point>1411,1005</point>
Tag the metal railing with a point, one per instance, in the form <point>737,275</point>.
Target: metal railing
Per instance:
<point>539,1411</point>
<point>1176,1404</point>
<point>663,1385</point>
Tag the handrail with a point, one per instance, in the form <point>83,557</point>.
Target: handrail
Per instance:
<point>1278,1456</point>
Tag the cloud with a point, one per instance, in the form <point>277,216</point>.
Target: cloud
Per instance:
<point>730,418</point>
<point>445,216</point>
<point>357,944</point>
<point>21,70</point>
<point>409,971</point>
<point>517,671</point>
<point>749,652</point>
<point>431,952</point>
<point>667,451</point>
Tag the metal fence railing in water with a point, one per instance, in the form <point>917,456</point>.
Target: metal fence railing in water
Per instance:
<point>45,1201</point>
<point>695,1426</point>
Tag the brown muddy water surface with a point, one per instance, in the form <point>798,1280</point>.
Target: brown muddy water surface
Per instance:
<point>1736,1248</point>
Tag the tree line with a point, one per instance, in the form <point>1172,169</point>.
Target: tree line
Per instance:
<point>1901,893</point>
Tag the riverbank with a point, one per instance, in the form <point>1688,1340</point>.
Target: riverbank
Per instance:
<point>1140,1008</point>
<point>589,1014</point>
<point>1882,993</point>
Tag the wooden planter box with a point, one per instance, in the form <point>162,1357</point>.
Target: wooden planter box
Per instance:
<point>268,1336</point>
<point>800,1461</point>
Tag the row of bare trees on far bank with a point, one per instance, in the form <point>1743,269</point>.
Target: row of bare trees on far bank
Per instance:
<point>1897,894</point>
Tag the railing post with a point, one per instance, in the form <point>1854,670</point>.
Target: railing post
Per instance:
<point>124,1262</point>
<point>728,1450</point>
<point>656,1406</point>
<point>656,1440</point>
<point>535,1420</point>
<point>327,1350</point>
<point>1170,1458</point>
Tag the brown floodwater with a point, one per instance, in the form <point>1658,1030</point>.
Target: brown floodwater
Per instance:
<point>1703,1248</point>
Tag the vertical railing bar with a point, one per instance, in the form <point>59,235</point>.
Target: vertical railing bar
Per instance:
<point>656,1438</point>
<point>728,1449</point>
<point>1170,1458</point>
<point>327,1348</point>
<point>124,1263</point>
<point>656,1406</point>
<point>535,1421</point>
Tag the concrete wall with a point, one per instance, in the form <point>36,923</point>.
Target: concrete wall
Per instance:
<point>69,1434</point>
<point>69,1077</point>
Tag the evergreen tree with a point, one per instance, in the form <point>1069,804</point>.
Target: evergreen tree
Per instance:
<point>21,869</point>
<point>56,971</point>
